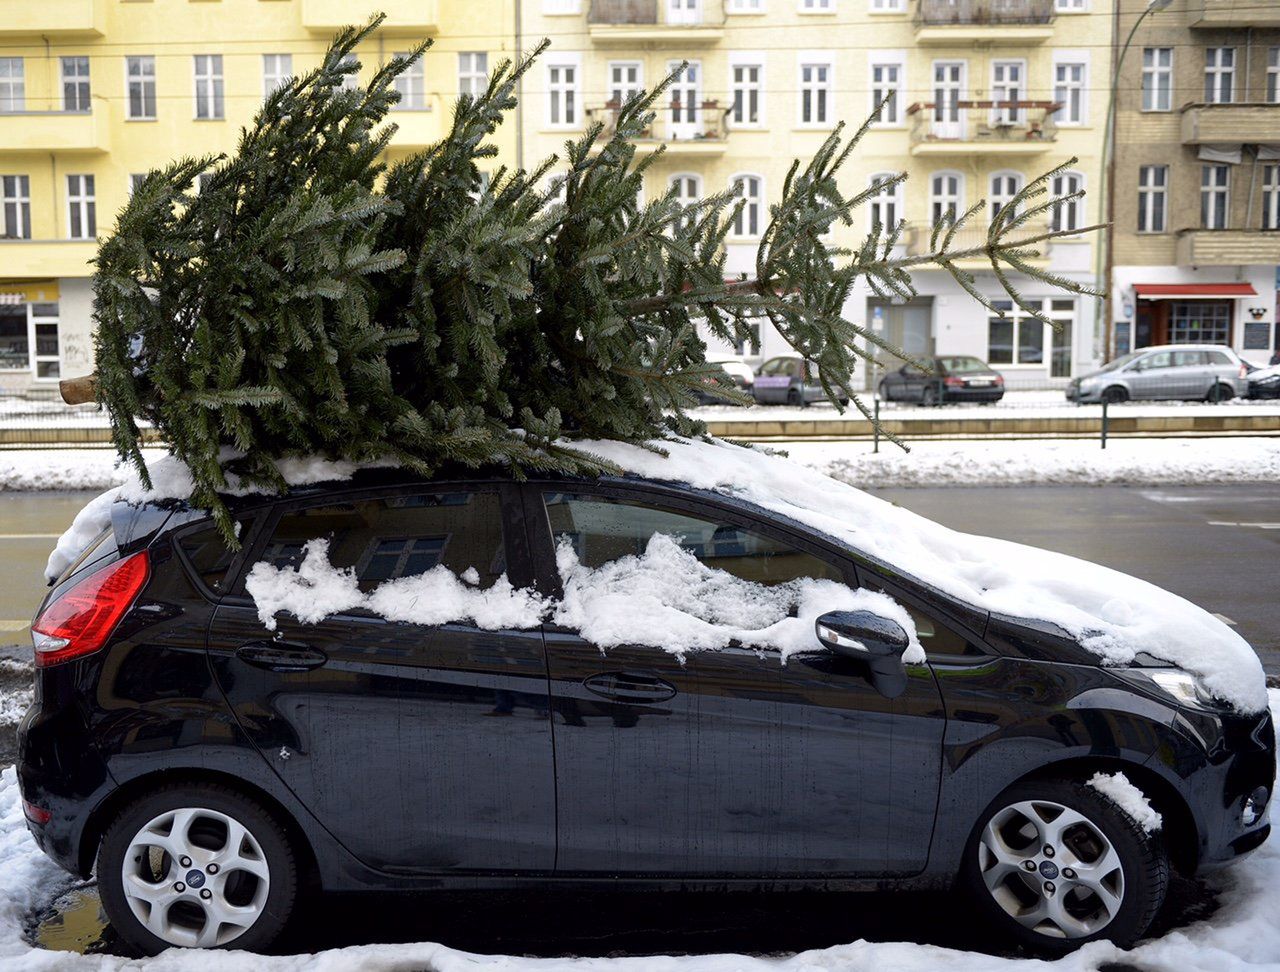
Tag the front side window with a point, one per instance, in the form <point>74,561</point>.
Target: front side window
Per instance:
<point>15,207</point>
<point>1069,91</point>
<point>1220,75</point>
<point>208,80</point>
<point>398,536</point>
<point>1153,188</point>
<point>411,83</point>
<point>1215,196</point>
<point>562,95</point>
<point>13,84</point>
<point>746,222</point>
<point>886,85</point>
<point>140,80</point>
<point>277,71</point>
<point>75,83</point>
<point>746,80</point>
<point>1157,78</point>
<point>473,73</point>
<point>815,94</point>
<point>82,207</point>
<point>1067,216</point>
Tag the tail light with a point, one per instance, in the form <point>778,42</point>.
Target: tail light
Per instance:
<point>1244,370</point>
<point>80,621</point>
<point>953,382</point>
<point>37,815</point>
<point>999,379</point>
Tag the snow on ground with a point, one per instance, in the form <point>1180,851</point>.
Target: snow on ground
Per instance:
<point>1241,936</point>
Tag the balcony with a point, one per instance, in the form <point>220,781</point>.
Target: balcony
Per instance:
<point>1013,23</point>
<point>917,237</point>
<point>407,17</point>
<point>627,22</point>
<point>53,18</point>
<point>708,135</point>
<point>1218,248</point>
<point>416,129</point>
<point>54,131</point>
<point>40,259</point>
<point>1229,124</point>
<point>1232,13</point>
<point>1014,128</point>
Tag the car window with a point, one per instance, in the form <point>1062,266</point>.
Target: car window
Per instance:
<point>963,365</point>
<point>936,637</point>
<point>773,366</point>
<point>398,536</point>
<point>1161,359</point>
<point>1218,357</point>
<point>911,370</point>
<point>602,530</point>
<point>208,554</point>
<point>1184,359</point>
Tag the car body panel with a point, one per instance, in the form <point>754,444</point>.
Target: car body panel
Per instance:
<point>977,381</point>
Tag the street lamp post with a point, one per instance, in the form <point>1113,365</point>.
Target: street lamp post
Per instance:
<point>1104,264</point>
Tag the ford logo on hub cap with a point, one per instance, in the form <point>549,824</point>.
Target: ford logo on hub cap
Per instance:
<point>1048,870</point>
<point>195,878</point>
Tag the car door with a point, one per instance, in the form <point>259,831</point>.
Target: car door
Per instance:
<point>773,381</point>
<point>420,748</point>
<point>1151,375</point>
<point>725,761</point>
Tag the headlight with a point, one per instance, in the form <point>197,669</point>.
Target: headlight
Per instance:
<point>1182,687</point>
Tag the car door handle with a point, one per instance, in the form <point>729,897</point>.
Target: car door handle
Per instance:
<point>281,656</point>
<point>629,687</point>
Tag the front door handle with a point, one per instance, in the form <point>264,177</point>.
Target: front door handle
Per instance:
<point>281,656</point>
<point>629,687</point>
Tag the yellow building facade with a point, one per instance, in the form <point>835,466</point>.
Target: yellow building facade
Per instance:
<point>94,93</point>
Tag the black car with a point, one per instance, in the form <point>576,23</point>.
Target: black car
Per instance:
<point>952,378</point>
<point>1264,382</point>
<point>208,767</point>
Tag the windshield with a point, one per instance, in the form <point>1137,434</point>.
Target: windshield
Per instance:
<point>1119,362</point>
<point>962,364</point>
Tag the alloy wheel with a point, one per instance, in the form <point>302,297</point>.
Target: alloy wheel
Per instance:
<point>1051,869</point>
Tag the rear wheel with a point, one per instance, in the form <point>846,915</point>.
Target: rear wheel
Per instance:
<point>1055,864</point>
<point>794,397</point>
<point>883,393</point>
<point>929,396</point>
<point>1115,395</point>
<point>196,866</point>
<point>1220,392</point>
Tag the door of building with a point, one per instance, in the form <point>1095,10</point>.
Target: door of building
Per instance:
<point>907,326</point>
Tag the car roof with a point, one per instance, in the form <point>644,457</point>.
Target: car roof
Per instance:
<point>1186,347</point>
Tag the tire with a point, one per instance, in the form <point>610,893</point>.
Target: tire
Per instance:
<point>882,392</point>
<point>1000,883</point>
<point>255,885</point>
<point>794,397</point>
<point>929,397</point>
<point>1220,392</point>
<point>1115,395</point>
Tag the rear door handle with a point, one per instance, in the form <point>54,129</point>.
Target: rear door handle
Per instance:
<point>629,687</point>
<point>281,656</point>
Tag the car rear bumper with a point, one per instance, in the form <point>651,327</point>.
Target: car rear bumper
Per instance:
<point>989,394</point>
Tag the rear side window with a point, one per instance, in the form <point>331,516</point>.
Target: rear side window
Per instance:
<point>1218,358</point>
<point>398,536</point>
<point>1183,359</point>
<point>208,555</point>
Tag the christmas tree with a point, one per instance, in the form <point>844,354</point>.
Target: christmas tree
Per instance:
<point>308,299</point>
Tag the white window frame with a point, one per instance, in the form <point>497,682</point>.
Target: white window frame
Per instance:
<point>146,81</point>
<point>1157,80</point>
<point>1273,75</point>
<point>1018,319</point>
<point>76,79</point>
<point>473,72</point>
<point>569,95</point>
<point>412,85</point>
<point>82,198</point>
<point>816,6</point>
<point>1271,196</point>
<point>20,200</point>
<point>351,79</point>
<point>561,8</point>
<point>753,211</point>
<point>624,88</point>
<point>1067,60</point>
<point>1153,198</point>
<point>1069,216</point>
<point>888,196</point>
<point>277,71</point>
<point>34,357</point>
<point>1210,190</point>
<point>1071,6</point>
<point>209,90</point>
<point>14,85</point>
<point>883,62</point>
<point>1001,196</point>
<point>1011,91</point>
<point>886,6</point>
<point>815,59</point>
<point>1216,72</point>
<point>134,181</point>
<point>682,180</point>
<point>936,200</point>
<point>745,7</point>
<point>747,59</point>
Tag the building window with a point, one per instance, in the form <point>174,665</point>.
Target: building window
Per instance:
<point>688,189</point>
<point>555,8</point>
<point>1157,78</point>
<point>15,340</point>
<point>1068,216</point>
<point>817,6</point>
<point>1063,313</point>
<point>44,325</point>
<point>815,93</point>
<point>746,83</point>
<point>1070,6</point>
<point>562,94</point>
<point>1219,75</point>
<point>135,181</point>
<point>745,6</point>
<point>686,99</point>
<point>886,82</point>
<point>13,84</point>
<point>1153,188</point>
<point>208,73</point>
<point>946,196</point>
<point>412,85</point>
<point>15,207</point>
<point>1271,197</point>
<point>1069,91</point>
<point>884,206</point>
<point>625,82</point>
<point>747,220</point>
<point>140,79</point>
<point>1215,196</point>
<point>75,83</point>
<point>82,210</point>
<point>1006,87</point>
<point>1200,322</point>
<point>888,6</point>
<point>1005,186</point>
<point>1273,75</point>
<point>1019,339</point>
<point>277,71</point>
<point>473,73</point>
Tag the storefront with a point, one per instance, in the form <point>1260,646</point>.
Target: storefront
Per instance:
<point>1193,314</point>
<point>30,347</point>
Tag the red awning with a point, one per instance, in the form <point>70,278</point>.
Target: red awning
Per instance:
<point>1161,291</point>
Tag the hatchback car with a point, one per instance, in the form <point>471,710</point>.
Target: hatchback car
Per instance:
<point>208,767</point>
<point>952,378</point>
<point>737,370</point>
<point>1264,382</point>
<point>1187,372</point>
<point>789,380</point>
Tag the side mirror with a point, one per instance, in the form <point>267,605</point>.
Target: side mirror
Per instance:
<point>870,638</point>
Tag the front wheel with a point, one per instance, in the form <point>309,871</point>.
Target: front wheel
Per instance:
<point>196,866</point>
<point>1054,864</point>
<point>1115,395</point>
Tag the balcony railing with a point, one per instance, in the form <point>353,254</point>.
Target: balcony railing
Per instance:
<point>1236,123</point>
<point>1009,127</point>
<point>706,132</point>
<point>1218,248</point>
<point>942,13</point>
<point>408,17</point>
<point>635,21</point>
<point>1232,13</point>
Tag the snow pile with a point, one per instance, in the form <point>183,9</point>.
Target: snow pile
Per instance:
<point>667,598</point>
<point>1117,788</point>
<point>316,589</point>
<point>88,523</point>
<point>1112,614</point>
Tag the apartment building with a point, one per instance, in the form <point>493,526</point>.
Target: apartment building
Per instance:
<point>1197,177</point>
<point>95,93</point>
<point>985,95</point>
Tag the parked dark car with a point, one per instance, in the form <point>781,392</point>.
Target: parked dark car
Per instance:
<point>788,380</point>
<point>1264,382</point>
<point>208,766</point>
<point>953,378</point>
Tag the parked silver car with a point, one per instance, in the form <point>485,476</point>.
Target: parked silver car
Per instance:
<point>1208,372</point>
<point>788,380</point>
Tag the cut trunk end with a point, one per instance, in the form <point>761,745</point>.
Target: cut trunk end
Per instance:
<point>78,391</point>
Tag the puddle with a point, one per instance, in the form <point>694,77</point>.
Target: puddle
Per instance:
<point>74,922</point>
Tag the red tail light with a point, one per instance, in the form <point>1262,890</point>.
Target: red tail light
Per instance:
<point>1244,370</point>
<point>37,815</point>
<point>80,621</point>
<point>953,382</point>
<point>999,379</point>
